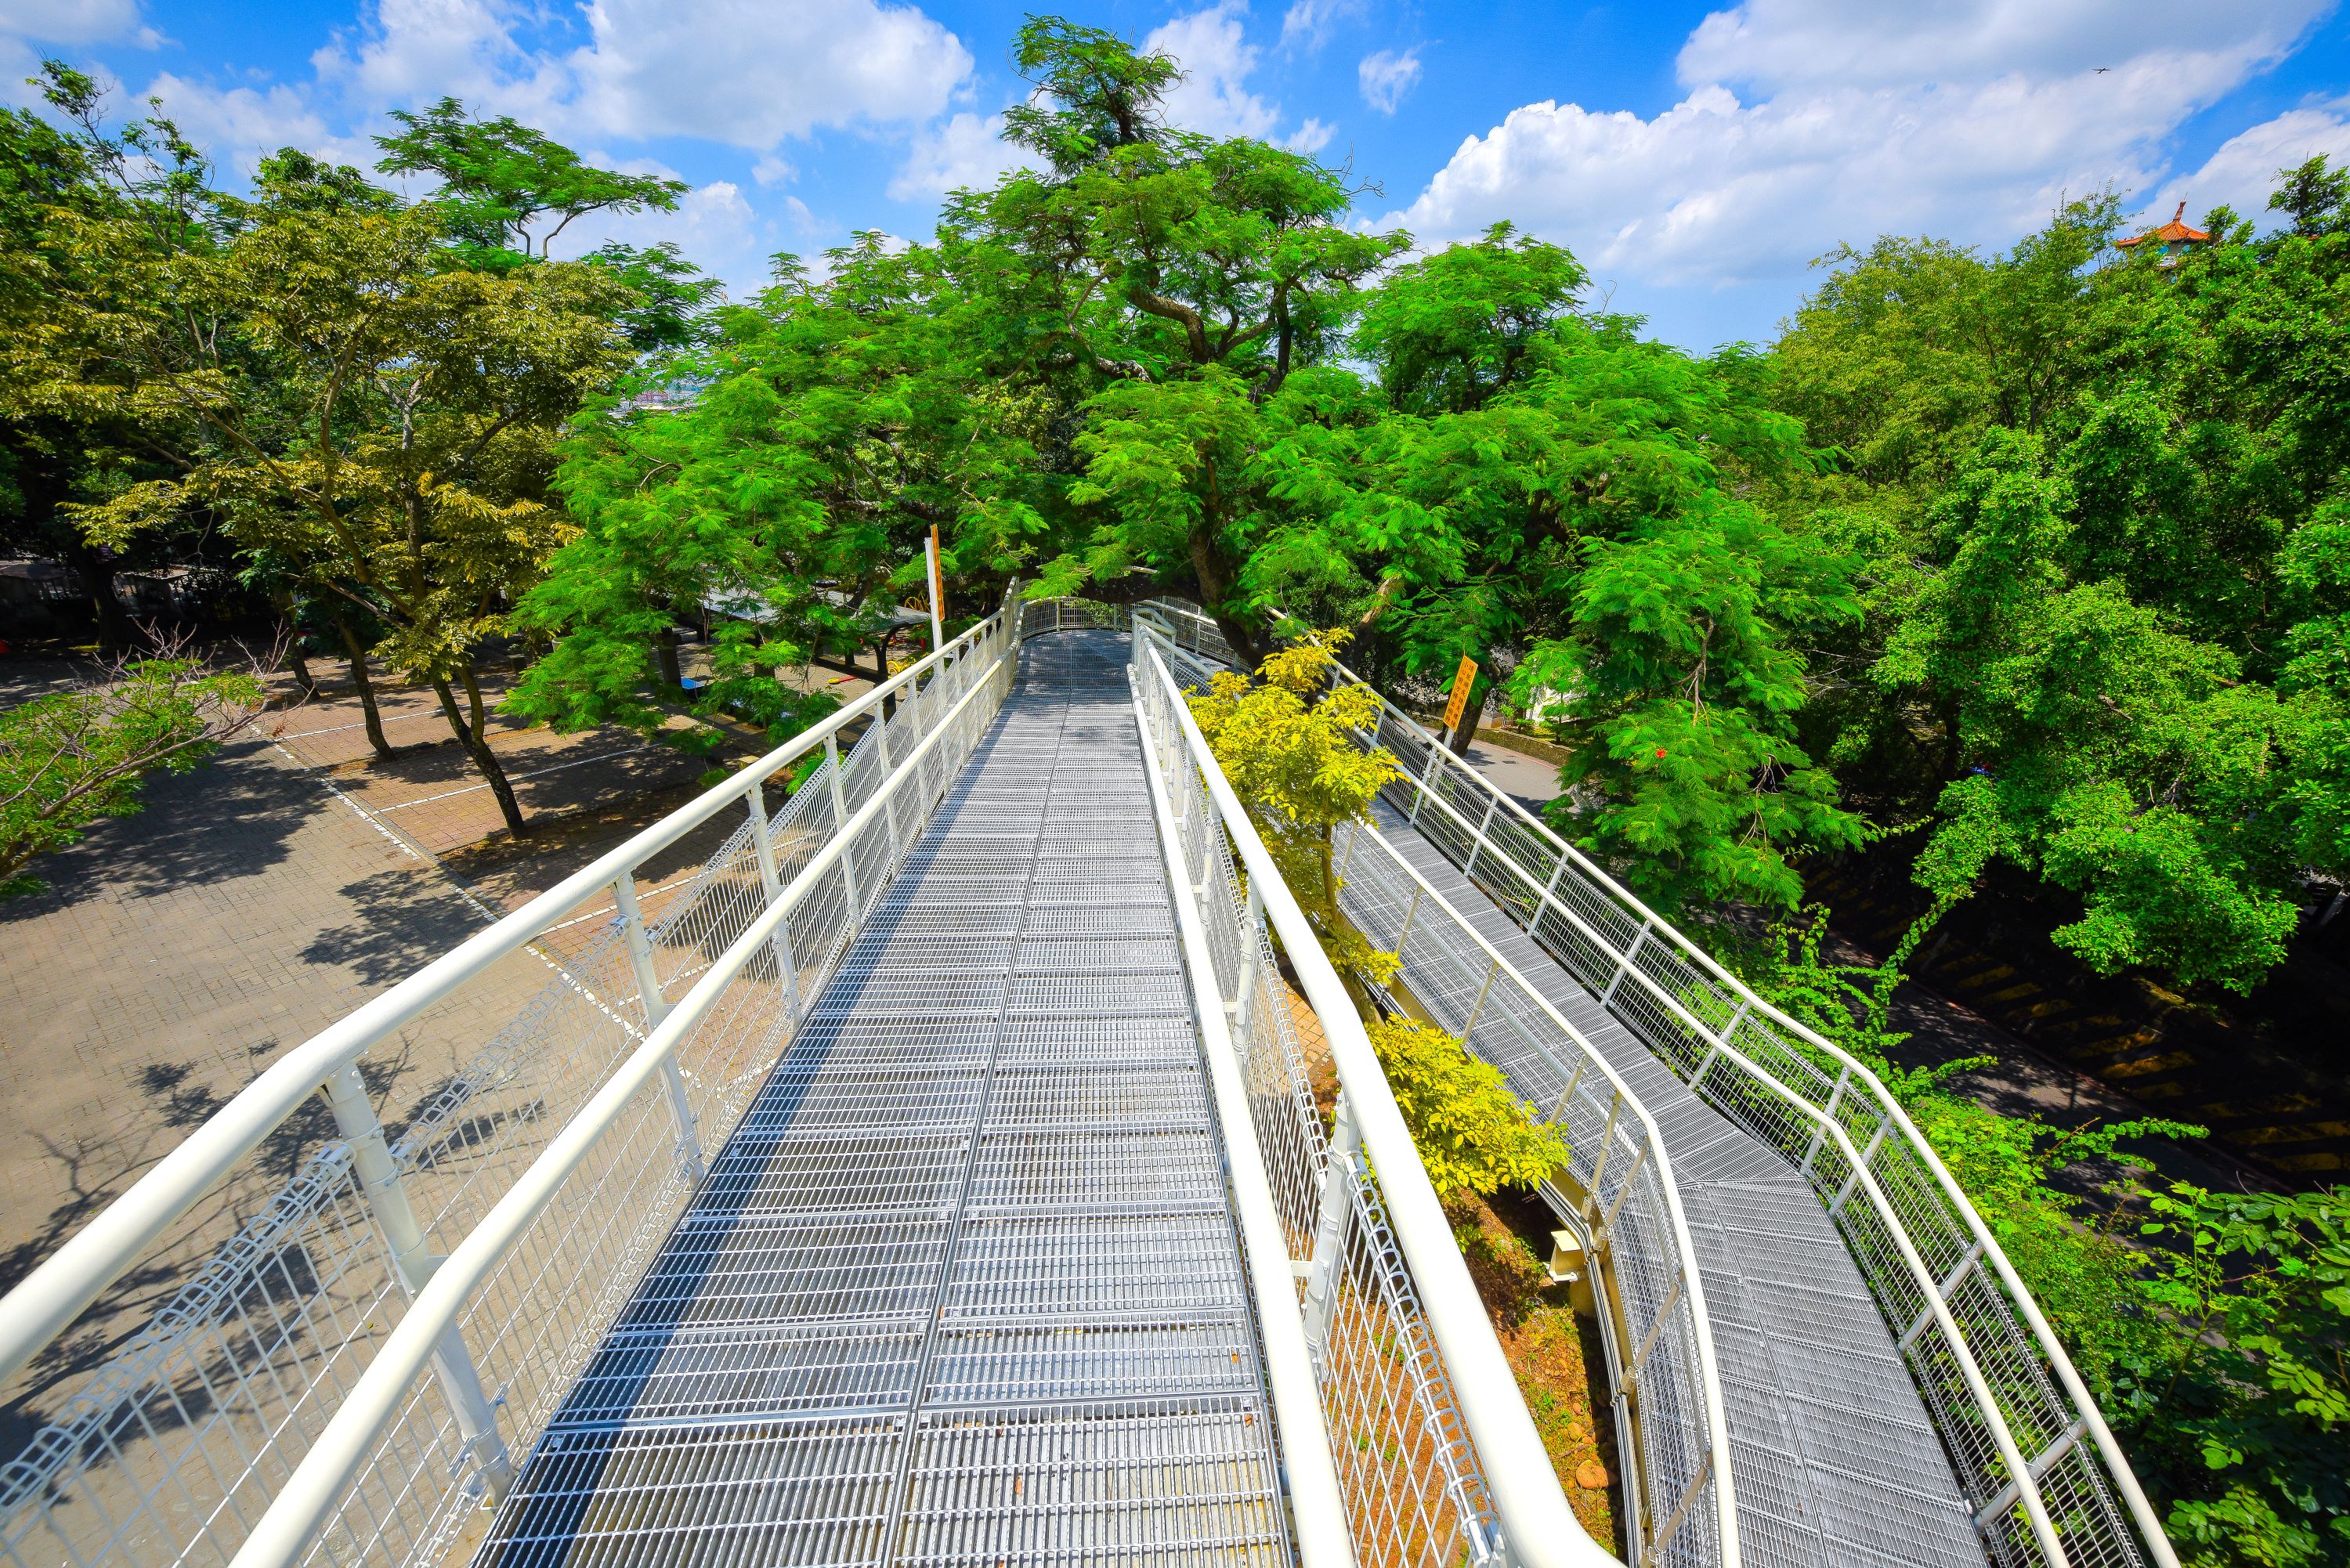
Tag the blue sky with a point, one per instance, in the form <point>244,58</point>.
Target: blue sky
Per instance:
<point>1697,158</point>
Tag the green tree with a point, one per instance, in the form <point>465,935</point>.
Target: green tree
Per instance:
<point>2091,497</point>
<point>376,415</point>
<point>77,756</point>
<point>1473,1135</point>
<point>829,427</point>
<point>1286,741</point>
<point>509,190</point>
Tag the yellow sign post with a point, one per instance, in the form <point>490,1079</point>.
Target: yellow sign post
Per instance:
<point>1462,680</point>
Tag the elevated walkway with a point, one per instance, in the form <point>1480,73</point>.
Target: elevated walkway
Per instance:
<point>1835,1456</point>
<point>963,1286</point>
<point>964,1282</point>
<point>937,1177</point>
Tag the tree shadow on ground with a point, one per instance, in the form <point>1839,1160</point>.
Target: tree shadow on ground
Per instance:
<point>233,816</point>
<point>407,918</point>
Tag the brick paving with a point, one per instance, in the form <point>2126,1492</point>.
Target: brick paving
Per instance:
<point>179,951</point>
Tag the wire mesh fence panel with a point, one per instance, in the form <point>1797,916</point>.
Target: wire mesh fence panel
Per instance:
<point>1616,1183</point>
<point>173,1447</point>
<point>2044,1478</point>
<point>1407,1471</point>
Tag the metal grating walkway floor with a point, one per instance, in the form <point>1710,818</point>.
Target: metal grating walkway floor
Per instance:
<point>1835,1460</point>
<point>962,1286</point>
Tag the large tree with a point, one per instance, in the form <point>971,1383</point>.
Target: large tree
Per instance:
<point>372,411</point>
<point>2098,501</point>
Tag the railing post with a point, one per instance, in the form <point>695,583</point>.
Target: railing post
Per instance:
<point>771,881</point>
<point>1624,965</point>
<point>453,1364</point>
<point>1491,969</point>
<point>1434,751</point>
<point>1336,1208</point>
<point>1252,914</point>
<point>763,840</point>
<point>840,824</point>
<point>1478,843</point>
<point>648,991</point>
<point>1404,935</point>
<point>889,795</point>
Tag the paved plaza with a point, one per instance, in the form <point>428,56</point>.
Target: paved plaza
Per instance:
<point>177,952</point>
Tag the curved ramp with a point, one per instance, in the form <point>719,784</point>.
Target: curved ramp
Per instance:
<point>1834,1458</point>
<point>962,1286</point>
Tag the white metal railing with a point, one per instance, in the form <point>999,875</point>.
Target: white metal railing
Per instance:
<point>275,1405</point>
<point>1384,1289</point>
<point>2042,1470</point>
<point>1679,1494</point>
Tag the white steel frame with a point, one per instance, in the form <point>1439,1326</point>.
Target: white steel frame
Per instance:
<point>1659,1333</point>
<point>259,1426</point>
<point>1212,846</point>
<point>1981,1349</point>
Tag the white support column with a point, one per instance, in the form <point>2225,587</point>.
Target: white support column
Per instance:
<point>1624,966</point>
<point>771,882</point>
<point>1435,754</point>
<point>1331,1217</point>
<point>640,959</point>
<point>1483,990</point>
<point>762,841</point>
<point>839,823</point>
<point>453,1364</point>
<point>1470,870</point>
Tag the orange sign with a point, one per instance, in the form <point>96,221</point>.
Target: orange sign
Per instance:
<point>1462,680</point>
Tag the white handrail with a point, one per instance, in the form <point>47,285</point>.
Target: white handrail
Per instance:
<point>301,1507</point>
<point>2025,1482</point>
<point>47,1301</point>
<point>1539,1528</point>
<point>1717,1425</point>
<point>1316,1503</point>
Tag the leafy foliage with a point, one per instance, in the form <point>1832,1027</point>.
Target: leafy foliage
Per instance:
<point>2095,501</point>
<point>1473,1135</point>
<point>77,756</point>
<point>1285,741</point>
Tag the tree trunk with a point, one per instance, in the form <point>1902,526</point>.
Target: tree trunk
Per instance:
<point>665,655</point>
<point>283,603</point>
<point>365,686</point>
<point>485,760</point>
<point>472,685</point>
<point>1215,577</point>
<point>114,630</point>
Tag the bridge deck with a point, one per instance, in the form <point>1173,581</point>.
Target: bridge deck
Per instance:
<point>1834,1458</point>
<point>962,1286</point>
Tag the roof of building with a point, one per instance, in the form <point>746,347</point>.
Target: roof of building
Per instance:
<point>2175,232</point>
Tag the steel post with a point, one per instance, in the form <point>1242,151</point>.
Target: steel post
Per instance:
<point>648,991</point>
<point>1336,1208</point>
<point>839,823</point>
<point>412,1265</point>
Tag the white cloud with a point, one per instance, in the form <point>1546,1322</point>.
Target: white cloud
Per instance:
<point>1217,60</point>
<point>2243,171</point>
<point>751,72</point>
<point>968,149</point>
<point>1866,43</point>
<point>77,22</point>
<point>1309,23</point>
<point>239,127</point>
<point>773,171</point>
<point>1966,119</point>
<point>743,72</point>
<point>1311,137</point>
<point>1387,77</point>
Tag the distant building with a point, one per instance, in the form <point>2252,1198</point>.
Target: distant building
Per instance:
<point>2175,238</point>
